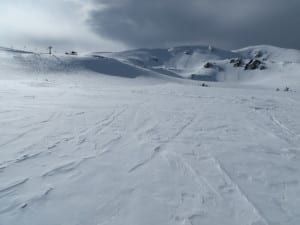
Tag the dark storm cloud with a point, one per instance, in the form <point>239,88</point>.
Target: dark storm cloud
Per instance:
<point>225,23</point>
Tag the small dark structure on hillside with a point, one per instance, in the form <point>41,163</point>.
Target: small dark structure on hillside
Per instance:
<point>71,53</point>
<point>187,52</point>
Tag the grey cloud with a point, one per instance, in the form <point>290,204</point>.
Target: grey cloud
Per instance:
<point>37,24</point>
<point>228,24</point>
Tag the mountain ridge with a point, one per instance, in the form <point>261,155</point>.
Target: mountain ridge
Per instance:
<point>202,63</point>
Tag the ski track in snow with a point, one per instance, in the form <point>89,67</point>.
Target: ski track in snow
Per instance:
<point>159,148</point>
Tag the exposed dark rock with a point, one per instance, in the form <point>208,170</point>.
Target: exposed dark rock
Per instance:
<point>24,205</point>
<point>208,65</point>
<point>253,64</point>
<point>237,62</point>
<point>214,66</point>
<point>262,67</point>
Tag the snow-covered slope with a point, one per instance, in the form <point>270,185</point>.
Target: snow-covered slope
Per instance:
<point>44,63</point>
<point>276,66</point>
<point>271,53</point>
<point>147,145</point>
<point>179,61</point>
<point>206,63</point>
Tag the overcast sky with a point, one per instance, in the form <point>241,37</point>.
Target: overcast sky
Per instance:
<point>121,24</point>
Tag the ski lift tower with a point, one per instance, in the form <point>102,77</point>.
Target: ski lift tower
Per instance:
<point>50,50</point>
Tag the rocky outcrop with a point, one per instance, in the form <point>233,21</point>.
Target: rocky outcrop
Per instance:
<point>208,65</point>
<point>254,64</point>
<point>214,66</point>
<point>237,62</point>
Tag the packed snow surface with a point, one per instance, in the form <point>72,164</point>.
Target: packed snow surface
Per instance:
<point>130,139</point>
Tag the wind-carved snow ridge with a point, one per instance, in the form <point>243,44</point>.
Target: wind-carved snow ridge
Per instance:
<point>182,136</point>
